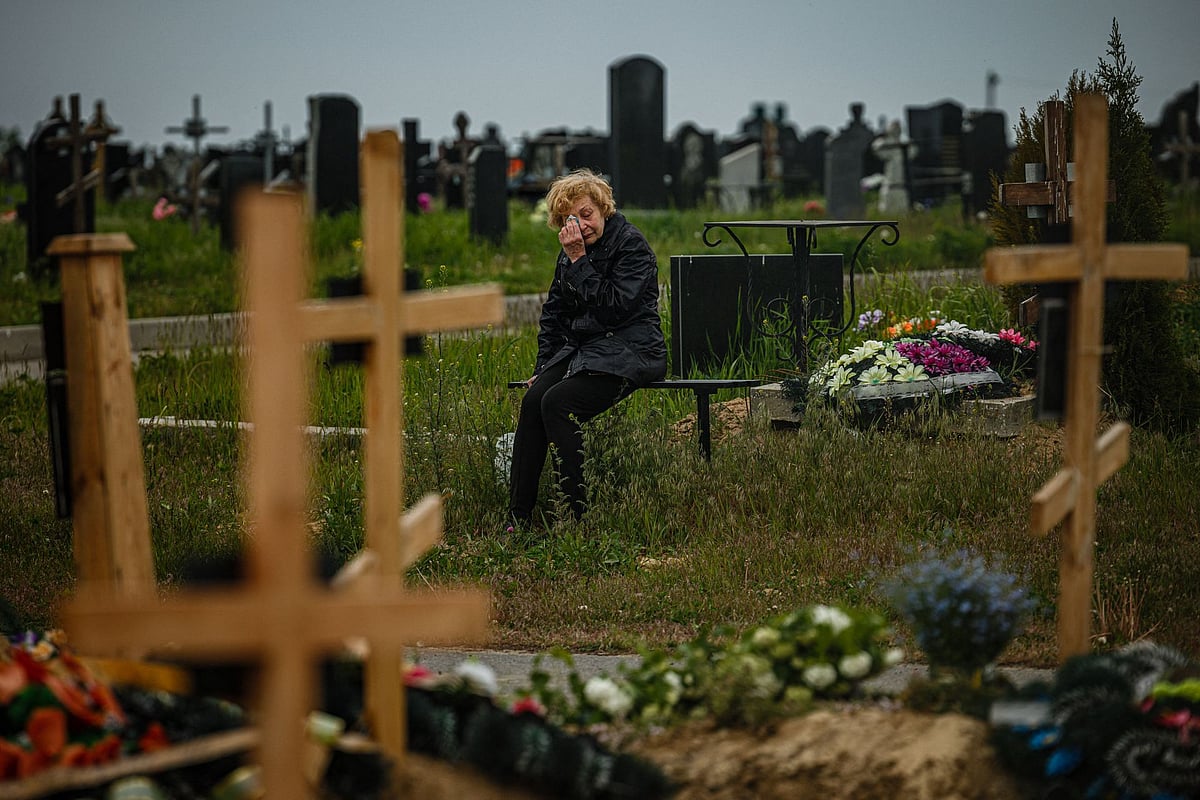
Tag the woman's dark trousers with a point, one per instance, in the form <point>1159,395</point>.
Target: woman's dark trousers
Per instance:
<point>553,412</point>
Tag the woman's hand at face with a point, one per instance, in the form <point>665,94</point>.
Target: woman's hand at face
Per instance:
<point>570,236</point>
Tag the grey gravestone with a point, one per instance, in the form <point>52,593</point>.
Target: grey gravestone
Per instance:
<point>50,173</point>
<point>717,302</point>
<point>333,122</point>
<point>637,122</point>
<point>487,193</point>
<point>844,168</point>
<point>238,171</point>
<point>937,169</point>
<point>985,152</point>
<point>693,164</point>
<point>741,179</point>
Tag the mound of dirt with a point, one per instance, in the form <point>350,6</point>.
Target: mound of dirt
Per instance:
<point>856,751</point>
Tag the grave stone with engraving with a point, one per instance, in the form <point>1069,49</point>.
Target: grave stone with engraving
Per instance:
<point>332,162</point>
<point>844,167</point>
<point>637,122</point>
<point>487,193</point>
<point>694,163</point>
<point>741,179</point>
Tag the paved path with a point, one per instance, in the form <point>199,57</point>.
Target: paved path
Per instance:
<point>512,668</point>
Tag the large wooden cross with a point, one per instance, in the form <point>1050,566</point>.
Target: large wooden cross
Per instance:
<point>1085,264</point>
<point>281,617</point>
<point>109,518</point>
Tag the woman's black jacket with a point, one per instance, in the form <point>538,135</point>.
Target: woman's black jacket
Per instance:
<point>602,311</point>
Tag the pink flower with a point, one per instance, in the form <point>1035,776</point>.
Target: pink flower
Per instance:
<point>418,675</point>
<point>528,705</point>
<point>1010,335</point>
<point>163,209</point>
<point>425,202</point>
<point>814,207</point>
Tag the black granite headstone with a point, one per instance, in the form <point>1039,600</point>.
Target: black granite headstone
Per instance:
<point>419,175</point>
<point>116,170</point>
<point>50,173</point>
<point>718,301</point>
<point>936,132</point>
<point>985,152</point>
<point>487,193</point>
<point>238,172</point>
<point>333,123</point>
<point>637,122</point>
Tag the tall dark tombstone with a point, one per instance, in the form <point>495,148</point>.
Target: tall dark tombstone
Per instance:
<point>50,172</point>
<point>844,171</point>
<point>693,164</point>
<point>637,122</point>
<point>238,171</point>
<point>985,153</point>
<point>936,132</point>
<point>332,162</point>
<point>487,193</point>
<point>116,170</point>
<point>417,177</point>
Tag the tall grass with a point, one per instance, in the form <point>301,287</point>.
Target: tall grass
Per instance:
<point>672,543</point>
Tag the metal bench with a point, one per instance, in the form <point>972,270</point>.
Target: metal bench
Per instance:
<point>703,388</point>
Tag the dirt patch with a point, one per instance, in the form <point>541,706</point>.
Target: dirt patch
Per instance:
<point>727,419</point>
<point>863,752</point>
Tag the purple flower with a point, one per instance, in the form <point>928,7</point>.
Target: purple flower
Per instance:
<point>942,358</point>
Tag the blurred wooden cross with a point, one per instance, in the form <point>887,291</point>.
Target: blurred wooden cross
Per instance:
<point>1086,264</point>
<point>78,138</point>
<point>281,617</point>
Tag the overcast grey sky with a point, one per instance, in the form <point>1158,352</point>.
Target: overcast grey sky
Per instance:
<point>531,65</point>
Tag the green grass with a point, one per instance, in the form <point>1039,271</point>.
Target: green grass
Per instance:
<point>672,544</point>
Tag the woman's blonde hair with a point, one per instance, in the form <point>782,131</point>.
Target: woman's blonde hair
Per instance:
<point>567,190</point>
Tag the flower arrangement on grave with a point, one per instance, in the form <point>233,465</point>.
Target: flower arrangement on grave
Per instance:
<point>56,712</point>
<point>778,668</point>
<point>1124,724</point>
<point>962,612</point>
<point>916,359</point>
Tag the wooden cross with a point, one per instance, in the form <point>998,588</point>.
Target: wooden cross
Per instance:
<point>110,522</point>
<point>1047,190</point>
<point>1086,264</point>
<point>196,128</point>
<point>78,138</point>
<point>282,617</point>
<point>1183,149</point>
